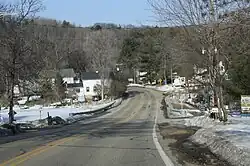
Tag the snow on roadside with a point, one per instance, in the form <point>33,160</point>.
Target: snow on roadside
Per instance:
<point>135,85</point>
<point>180,113</point>
<point>36,113</point>
<point>201,121</point>
<point>230,141</point>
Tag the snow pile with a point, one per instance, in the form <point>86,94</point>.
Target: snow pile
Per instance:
<point>180,113</point>
<point>224,146</point>
<point>231,141</point>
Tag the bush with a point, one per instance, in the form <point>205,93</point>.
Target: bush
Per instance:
<point>118,88</point>
<point>4,101</point>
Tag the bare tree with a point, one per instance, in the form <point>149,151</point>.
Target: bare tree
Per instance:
<point>18,45</point>
<point>205,24</point>
<point>102,52</point>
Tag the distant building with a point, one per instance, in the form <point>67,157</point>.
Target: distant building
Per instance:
<point>68,75</point>
<point>179,81</point>
<point>90,80</point>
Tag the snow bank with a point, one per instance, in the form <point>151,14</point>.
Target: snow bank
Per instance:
<point>135,85</point>
<point>222,146</point>
<point>231,141</point>
<point>201,121</point>
<point>180,113</point>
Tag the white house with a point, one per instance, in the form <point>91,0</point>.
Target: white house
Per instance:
<point>76,89</point>
<point>90,80</point>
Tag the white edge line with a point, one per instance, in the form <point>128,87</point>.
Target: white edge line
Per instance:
<point>158,146</point>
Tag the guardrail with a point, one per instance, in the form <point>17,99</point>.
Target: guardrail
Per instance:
<point>94,111</point>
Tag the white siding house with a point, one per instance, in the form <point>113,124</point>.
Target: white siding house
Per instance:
<point>89,87</point>
<point>90,80</point>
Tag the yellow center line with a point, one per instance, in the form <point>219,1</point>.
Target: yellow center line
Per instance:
<point>26,156</point>
<point>19,159</point>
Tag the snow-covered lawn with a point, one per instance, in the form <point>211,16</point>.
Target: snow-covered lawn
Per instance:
<point>38,112</point>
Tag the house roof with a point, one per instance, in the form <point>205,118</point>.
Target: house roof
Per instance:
<point>67,72</point>
<point>63,73</point>
<point>75,85</point>
<point>90,76</point>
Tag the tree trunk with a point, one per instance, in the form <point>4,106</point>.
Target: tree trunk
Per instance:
<point>218,103</point>
<point>11,98</point>
<point>222,105</point>
<point>134,77</point>
<point>102,88</point>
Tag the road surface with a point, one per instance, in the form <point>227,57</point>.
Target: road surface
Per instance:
<point>123,136</point>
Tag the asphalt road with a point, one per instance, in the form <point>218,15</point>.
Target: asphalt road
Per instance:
<point>123,136</point>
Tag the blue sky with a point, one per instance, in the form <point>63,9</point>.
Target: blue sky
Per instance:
<point>88,12</point>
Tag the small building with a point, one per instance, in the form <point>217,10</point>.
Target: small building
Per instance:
<point>68,75</point>
<point>76,90</point>
<point>90,80</point>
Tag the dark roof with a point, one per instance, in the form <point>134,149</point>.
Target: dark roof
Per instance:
<point>75,85</point>
<point>90,76</point>
<point>67,72</point>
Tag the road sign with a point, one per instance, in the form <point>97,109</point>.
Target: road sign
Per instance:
<point>160,80</point>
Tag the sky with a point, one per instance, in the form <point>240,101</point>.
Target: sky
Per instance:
<point>88,12</point>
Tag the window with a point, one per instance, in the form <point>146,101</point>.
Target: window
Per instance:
<point>87,89</point>
<point>94,89</point>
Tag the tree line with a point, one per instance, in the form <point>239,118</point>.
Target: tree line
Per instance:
<point>197,35</point>
<point>30,45</point>
<point>213,31</point>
